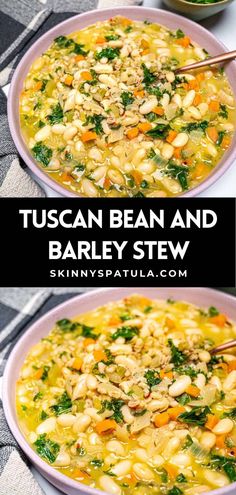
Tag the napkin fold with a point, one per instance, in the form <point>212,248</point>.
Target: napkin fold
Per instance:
<point>22,22</point>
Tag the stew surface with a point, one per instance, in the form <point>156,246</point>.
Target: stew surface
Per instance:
<point>104,113</point>
<point>128,399</point>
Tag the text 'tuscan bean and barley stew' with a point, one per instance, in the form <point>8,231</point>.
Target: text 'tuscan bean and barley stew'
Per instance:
<point>128,399</point>
<point>103,112</point>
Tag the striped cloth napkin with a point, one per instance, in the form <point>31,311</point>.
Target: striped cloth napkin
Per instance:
<point>22,22</point>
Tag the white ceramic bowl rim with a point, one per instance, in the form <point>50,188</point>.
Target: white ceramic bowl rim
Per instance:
<point>21,347</point>
<point>87,18</point>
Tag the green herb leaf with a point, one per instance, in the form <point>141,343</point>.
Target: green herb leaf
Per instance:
<point>64,405</point>
<point>160,131</point>
<point>226,463</point>
<point>56,116</point>
<point>149,76</point>
<point>114,405</point>
<point>42,153</point>
<point>108,52</point>
<point>178,172</point>
<point>46,448</point>
<point>127,98</point>
<point>152,378</point>
<point>181,478</point>
<point>96,120</point>
<point>197,416</point>
<point>126,332</point>
<point>97,462</point>
<point>223,111</point>
<point>177,356</point>
<point>175,491</point>
<point>212,311</point>
<point>193,126</point>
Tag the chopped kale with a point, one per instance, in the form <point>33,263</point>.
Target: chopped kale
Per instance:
<point>127,98</point>
<point>193,126</point>
<point>112,37</point>
<point>184,399</point>
<point>81,451</point>
<point>96,120</point>
<point>114,405</point>
<point>125,317</point>
<point>179,34</point>
<point>41,124</point>
<point>181,478</point>
<point>170,301</point>
<point>46,448</point>
<point>188,442</point>
<point>87,331</point>
<point>64,405</point>
<point>43,415</point>
<point>45,373</point>
<point>151,116</point>
<point>212,311</point>
<point>226,463</point>
<point>80,167</point>
<point>108,52</point>
<point>126,332</point>
<point>223,111</point>
<point>230,414</point>
<point>96,462</point>
<point>149,77</point>
<point>175,491</point>
<point>152,378</point>
<point>56,116</point>
<point>177,356</point>
<point>66,325</point>
<point>187,370</point>
<point>64,42</point>
<point>147,309</point>
<point>178,172</point>
<point>140,413</point>
<point>221,134</point>
<point>38,396</point>
<point>44,84</point>
<point>197,416</point>
<point>42,153</point>
<point>160,131</point>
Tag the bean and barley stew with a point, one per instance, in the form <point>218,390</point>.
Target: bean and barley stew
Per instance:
<point>104,113</point>
<point>128,399</point>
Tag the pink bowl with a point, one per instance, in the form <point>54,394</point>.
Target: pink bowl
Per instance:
<point>172,21</point>
<point>202,297</point>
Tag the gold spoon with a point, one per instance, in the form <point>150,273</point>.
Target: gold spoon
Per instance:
<point>208,61</point>
<point>223,347</point>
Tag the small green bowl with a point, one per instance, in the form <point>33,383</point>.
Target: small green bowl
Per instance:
<point>197,11</point>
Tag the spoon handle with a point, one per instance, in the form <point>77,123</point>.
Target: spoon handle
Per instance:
<point>209,61</point>
<point>223,347</point>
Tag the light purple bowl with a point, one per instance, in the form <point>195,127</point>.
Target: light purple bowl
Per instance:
<point>202,297</point>
<point>172,21</point>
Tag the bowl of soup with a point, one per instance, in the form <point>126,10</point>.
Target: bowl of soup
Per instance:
<point>117,392</point>
<point>101,111</point>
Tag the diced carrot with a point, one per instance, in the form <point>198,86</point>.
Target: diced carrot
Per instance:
<point>166,374</point>
<point>77,473</point>
<point>38,374</point>
<point>232,365</point>
<point>139,93</point>
<point>158,110</point>
<point>145,52</point>
<point>171,136</point>
<point>125,21</point>
<point>161,419</point>
<point>200,77</point>
<point>106,183</point>
<point>100,40</point>
<point>212,134</point>
<point>144,43</point>
<point>232,451</point>
<point>78,58</point>
<point>169,323</point>
<point>38,86</point>
<point>193,391</point>
<point>130,479</point>
<point>88,136</point>
<point>174,412</point>
<point>220,441</point>
<point>197,100</point>
<point>105,426</point>
<point>199,170</point>
<point>88,341</point>
<point>132,133</point>
<point>138,177</point>
<point>65,177</point>
<point>177,153</point>
<point>68,80</point>
<point>225,142</point>
<point>185,41</point>
<point>219,320</point>
<point>86,75</point>
<point>212,421</point>
<point>144,126</point>
<point>193,84</point>
<point>114,320</point>
<point>99,355</point>
<point>214,106</point>
<point>223,366</point>
<point>171,470</point>
<point>77,363</point>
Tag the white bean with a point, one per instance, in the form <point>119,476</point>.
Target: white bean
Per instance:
<point>91,382</point>
<point>80,388</point>
<point>171,447</point>
<point>47,426</point>
<point>167,151</point>
<point>204,356</point>
<point>43,133</point>
<point>142,471</point>
<point>165,100</point>
<point>122,468</point>
<point>107,80</point>
<point>230,382</point>
<point>189,97</point>
<point>108,485</point>
<point>177,99</point>
<point>148,106</point>
<point>180,140</point>
<point>211,149</point>
<point>116,177</point>
<point>156,404</point>
<point>139,155</point>
<point>94,439</point>
<point>141,455</point>
<point>82,423</point>
<point>58,129</point>
<point>128,417</point>
<point>115,447</point>
<point>70,132</point>
<point>224,426</point>
<point>63,459</point>
<point>103,68</point>
<point>66,419</point>
<point>208,440</point>
<point>95,154</point>
<point>146,167</point>
<point>200,381</point>
<point>179,386</point>
<point>216,381</point>
<point>203,107</point>
<point>157,460</point>
<point>216,479</point>
<point>195,112</point>
<point>170,76</point>
<point>163,52</point>
<point>99,173</point>
<point>182,460</point>
<point>37,64</point>
<point>88,188</point>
